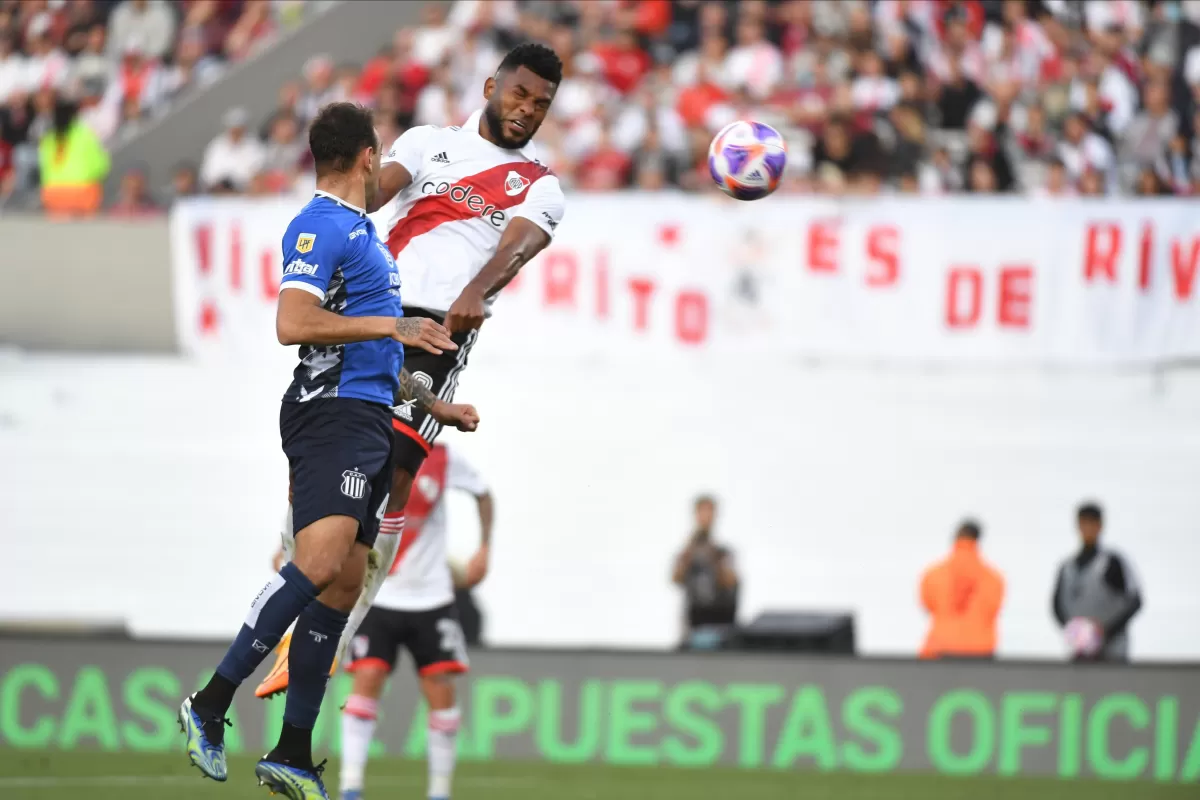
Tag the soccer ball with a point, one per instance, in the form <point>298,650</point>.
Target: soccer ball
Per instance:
<point>1083,636</point>
<point>746,159</point>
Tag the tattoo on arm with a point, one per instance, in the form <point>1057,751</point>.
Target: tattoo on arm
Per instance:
<point>411,389</point>
<point>408,326</point>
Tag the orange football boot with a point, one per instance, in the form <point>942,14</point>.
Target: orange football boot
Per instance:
<point>276,682</point>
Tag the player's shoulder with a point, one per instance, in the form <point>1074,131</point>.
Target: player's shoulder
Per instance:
<point>422,135</point>
<point>323,224</point>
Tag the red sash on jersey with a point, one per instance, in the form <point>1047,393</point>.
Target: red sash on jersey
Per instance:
<point>426,492</point>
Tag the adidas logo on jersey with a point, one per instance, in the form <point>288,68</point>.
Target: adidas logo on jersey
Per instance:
<point>440,158</point>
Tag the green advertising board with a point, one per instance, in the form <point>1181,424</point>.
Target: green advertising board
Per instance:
<point>756,712</point>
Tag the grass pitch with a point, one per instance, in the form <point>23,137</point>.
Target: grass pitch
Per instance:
<point>26,775</point>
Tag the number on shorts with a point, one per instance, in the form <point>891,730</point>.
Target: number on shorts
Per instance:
<point>382,508</point>
<point>453,640</point>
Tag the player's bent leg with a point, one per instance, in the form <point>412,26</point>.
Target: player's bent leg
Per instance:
<point>288,768</point>
<point>359,718</point>
<point>321,550</point>
<point>442,736</point>
<point>276,681</point>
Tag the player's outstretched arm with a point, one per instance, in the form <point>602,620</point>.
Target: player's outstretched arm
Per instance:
<point>299,319</point>
<point>460,415</point>
<point>522,240</point>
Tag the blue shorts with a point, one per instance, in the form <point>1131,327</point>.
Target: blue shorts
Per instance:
<point>340,456</point>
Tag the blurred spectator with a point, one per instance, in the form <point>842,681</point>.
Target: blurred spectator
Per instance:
<point>192,66</point>
<point>73,165</point>
<point>81,19</point>
<point>285,154</point>
<point>962,595</point>
<point>1152,129</point>
<point>251,28</point>
<point>706,572</point>
<point>605,168</point>
<point>92,69</point>
<point>46,65</point>
<point>319,89</point>
<point>139,81</point>
<point>133,198</point>
<point>185,182</point>
<point>1098,584</point>
<point>1082,150</point>
<point>232,157</point>
<point>148,22</point>
<point>1056,182</point>
<point>623,61</point>
<point>12,67</point>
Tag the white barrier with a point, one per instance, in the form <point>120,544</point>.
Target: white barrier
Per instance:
<point>1000,281</point>
<point>131,487</point>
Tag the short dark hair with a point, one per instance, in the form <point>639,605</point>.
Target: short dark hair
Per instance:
<point>970,529</point>
<point>537,58</point>
<point>1090,511</point>
<point>338,134</point>
<point>706,500</point>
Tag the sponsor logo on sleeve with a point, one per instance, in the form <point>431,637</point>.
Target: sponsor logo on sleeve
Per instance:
<point>551,221</point>
<point>300,267</point>
<point>304,242</point>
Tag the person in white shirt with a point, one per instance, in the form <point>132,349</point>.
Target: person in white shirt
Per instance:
<point>234,156</point>
<point>46,66</point>
<point>463,209</point>
<point>1083,151</point>
<point>12,67</point>
<point>415,610</point>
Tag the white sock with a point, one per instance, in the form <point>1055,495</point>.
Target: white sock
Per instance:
<point>378,566</point>
<point>358,726</point>
<point>443,750</point>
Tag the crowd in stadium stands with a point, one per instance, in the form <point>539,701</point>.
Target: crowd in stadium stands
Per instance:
<point>116,64</point>
<point>1057,97</point>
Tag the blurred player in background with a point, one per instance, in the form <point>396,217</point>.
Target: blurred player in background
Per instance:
<point>466,208</point>
<point>340,301</point>
<point>415,609</point>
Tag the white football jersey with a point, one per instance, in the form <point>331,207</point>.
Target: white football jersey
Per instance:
<point>420,577</point>
<point>445,225</point>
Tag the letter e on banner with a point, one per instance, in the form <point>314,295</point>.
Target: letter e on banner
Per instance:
<point>823,246</point>
<point>964,297</point>
<point>1016,295</point>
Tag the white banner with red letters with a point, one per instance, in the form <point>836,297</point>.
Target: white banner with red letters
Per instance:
<point>918,280</point>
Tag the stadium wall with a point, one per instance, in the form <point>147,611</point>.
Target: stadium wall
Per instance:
<point>86,285</point>
<point>754,712</point>
<point>838,486</point>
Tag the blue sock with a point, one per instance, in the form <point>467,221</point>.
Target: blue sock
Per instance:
<point>314,646</point>
<point>272,611</point>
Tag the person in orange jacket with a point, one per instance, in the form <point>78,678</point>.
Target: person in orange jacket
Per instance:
<point>963,595</point>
